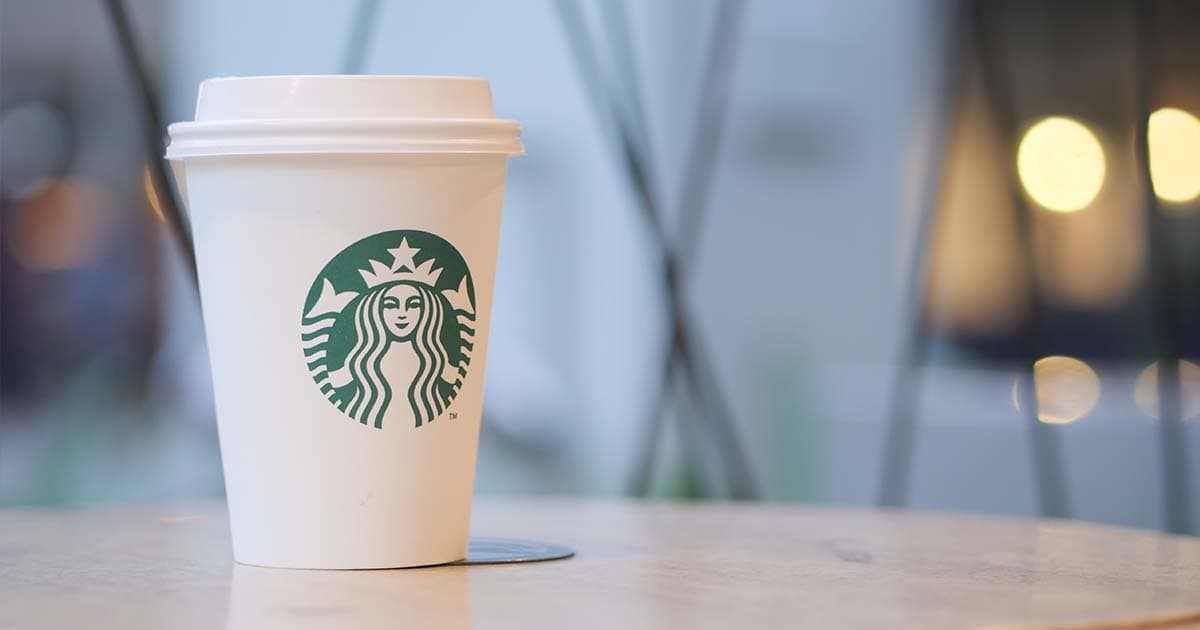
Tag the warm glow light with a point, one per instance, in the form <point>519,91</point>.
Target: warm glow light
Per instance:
<point>63,226</point>
<point>1145,390</point>
<point>977,284</point>
<point>1174,139</point>
<point>1067,389</point>
<point>151,193</point>
<point>1061,164</point>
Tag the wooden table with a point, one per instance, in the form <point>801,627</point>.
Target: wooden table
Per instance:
<point>640,565</point>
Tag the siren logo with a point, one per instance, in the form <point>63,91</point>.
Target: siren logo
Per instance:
<point>389,326</point>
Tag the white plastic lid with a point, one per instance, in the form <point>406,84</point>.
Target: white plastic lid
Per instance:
<point>343,114</point>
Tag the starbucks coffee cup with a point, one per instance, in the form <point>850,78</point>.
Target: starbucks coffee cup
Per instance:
<point>346,231</point>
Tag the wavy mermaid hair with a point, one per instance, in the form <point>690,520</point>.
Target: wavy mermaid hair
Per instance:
<point>426,394</point>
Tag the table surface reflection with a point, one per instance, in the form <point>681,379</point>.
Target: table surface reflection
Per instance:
<point>639,565</point>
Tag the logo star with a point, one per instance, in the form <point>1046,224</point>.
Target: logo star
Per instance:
<point>402,256</point>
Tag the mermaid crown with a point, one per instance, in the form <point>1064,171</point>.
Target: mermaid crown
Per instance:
<point>402,268</point>
<point>331,301</point>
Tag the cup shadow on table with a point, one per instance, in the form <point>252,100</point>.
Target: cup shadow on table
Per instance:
<point>434,597</point>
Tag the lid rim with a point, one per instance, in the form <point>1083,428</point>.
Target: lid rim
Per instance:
<point>256,140</point>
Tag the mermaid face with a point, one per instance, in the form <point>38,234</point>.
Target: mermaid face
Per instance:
<point>402,306</point>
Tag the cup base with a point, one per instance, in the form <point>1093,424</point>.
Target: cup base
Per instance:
<point>480,551</point>
<point>384,567</point>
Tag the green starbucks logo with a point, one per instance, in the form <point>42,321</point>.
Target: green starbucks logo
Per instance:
<point>389,326</point>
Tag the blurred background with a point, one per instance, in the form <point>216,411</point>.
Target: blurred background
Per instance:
<point>926,254</point>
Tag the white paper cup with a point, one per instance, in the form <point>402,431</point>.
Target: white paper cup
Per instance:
<point>346,232</point>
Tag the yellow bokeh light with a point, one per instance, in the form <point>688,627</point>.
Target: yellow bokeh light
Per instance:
<point>1145,390</point>
<point>1174,138</point>
<point>1067,389</point>
<point>1061,164</point>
